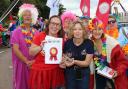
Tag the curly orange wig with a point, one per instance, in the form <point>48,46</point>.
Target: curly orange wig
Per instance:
<point>94,23</point>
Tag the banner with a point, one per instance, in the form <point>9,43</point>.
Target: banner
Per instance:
<point>85,7</point>
<point>54,11</point>
<point>103,11</point>
<point>54,6</point>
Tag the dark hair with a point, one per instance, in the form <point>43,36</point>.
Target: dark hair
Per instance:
<point>60,33</point>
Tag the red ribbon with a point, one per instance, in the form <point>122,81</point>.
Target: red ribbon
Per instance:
<point>53,53</point>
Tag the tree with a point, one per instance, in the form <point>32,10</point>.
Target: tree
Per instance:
<point>40,4</point>
<point>61,9</point>
<point>4,5</point>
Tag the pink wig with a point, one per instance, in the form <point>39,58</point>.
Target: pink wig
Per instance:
<point>68,15</point>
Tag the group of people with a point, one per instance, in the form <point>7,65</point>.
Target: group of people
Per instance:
<point>82,43</point>
<point>4,35</point>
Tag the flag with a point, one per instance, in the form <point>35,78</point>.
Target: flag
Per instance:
<point>54,11</point>
<point>103,11</point>
<point>54,6</point>
<point>85,7</point>
<point>50,3</point>
<point>53,3</point>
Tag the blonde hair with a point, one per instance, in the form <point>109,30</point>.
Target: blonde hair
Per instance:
<point>70,33</point>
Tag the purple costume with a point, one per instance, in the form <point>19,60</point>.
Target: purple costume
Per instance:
<point>20,69</point>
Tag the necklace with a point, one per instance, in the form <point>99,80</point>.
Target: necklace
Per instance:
<point>99,59</point>
<point>28,35</point>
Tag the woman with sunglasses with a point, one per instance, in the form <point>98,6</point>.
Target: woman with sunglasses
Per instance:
<point>107,52</point>
<point>46,76</point>
<point>78,53</point>
<point>112,27</point>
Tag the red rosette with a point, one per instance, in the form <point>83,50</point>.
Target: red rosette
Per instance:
<point>53,53</point>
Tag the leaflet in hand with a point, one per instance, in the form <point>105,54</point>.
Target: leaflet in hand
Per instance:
<point>53,50</point>
<point>105,71</point>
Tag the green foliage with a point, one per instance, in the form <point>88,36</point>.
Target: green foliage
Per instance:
<point>40,4</point>
<point>4,5</point>
<point>61,9</point>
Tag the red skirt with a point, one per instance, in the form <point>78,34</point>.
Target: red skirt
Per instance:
<point>46,78</point>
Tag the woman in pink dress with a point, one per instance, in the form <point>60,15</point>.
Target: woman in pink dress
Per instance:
<point>21,41</point>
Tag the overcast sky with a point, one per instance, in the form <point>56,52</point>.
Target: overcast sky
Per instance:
<point>73,5</point>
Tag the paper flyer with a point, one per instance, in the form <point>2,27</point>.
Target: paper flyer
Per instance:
<point>53,50</point>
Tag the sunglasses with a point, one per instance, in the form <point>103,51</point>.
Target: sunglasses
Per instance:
<point>112,21</point>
